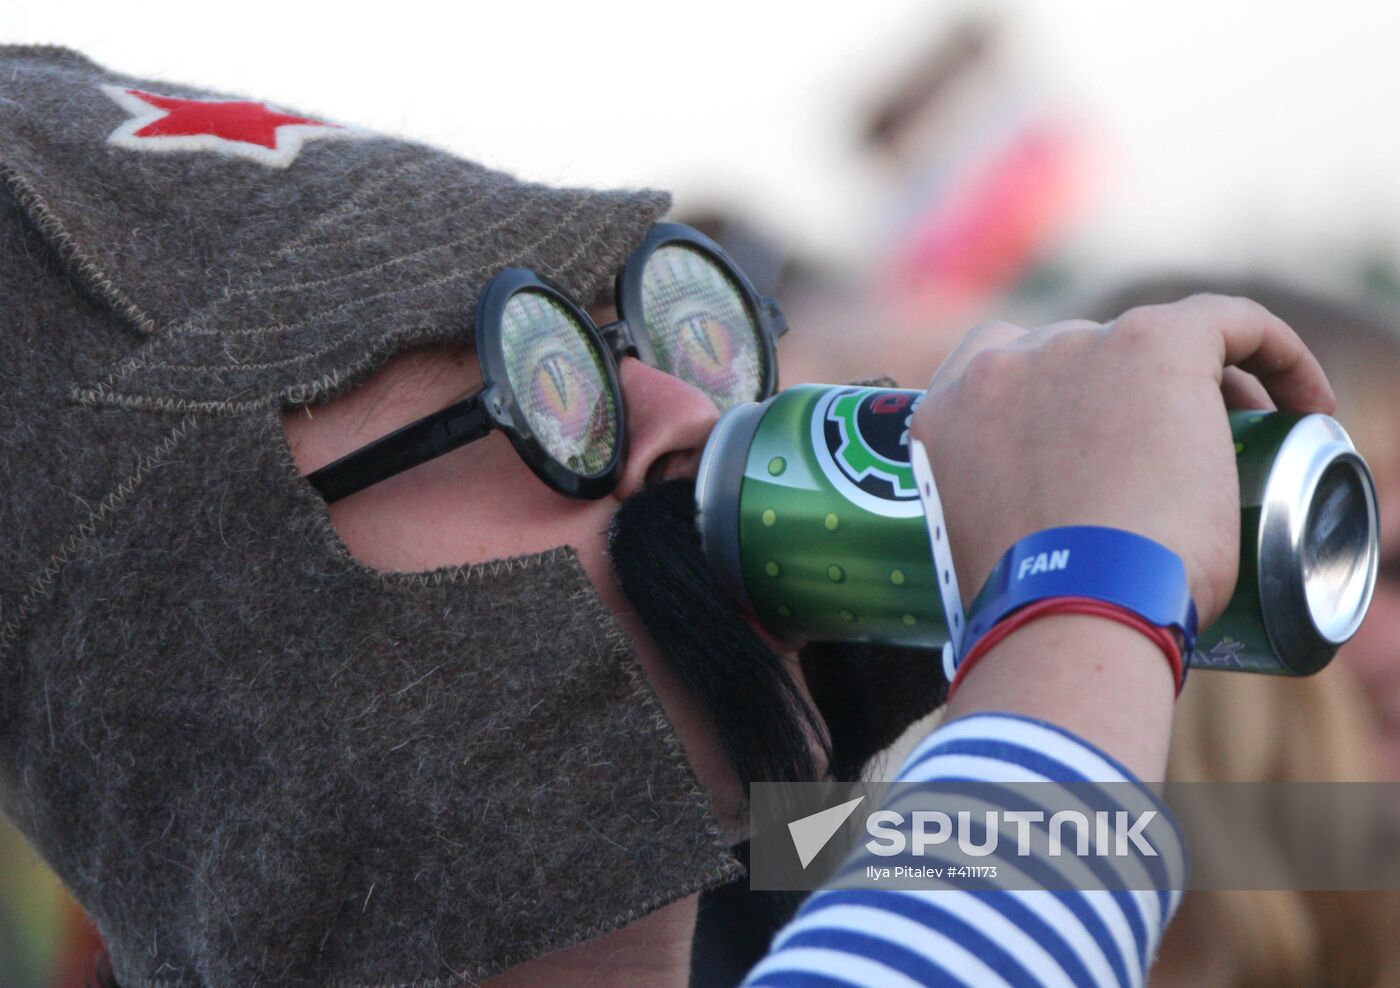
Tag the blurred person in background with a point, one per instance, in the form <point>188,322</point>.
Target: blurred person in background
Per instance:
<point>1342,725</point>
<point>979,176</point>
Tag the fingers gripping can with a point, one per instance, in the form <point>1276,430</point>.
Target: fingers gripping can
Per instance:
<point>808,511</point>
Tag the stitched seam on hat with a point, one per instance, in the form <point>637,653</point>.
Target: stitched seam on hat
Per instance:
<point>32,202</point>
<point>106,394</point>
<point>276,329</point>
<point>285,361</point>
<point>43,584</point>
<point>350,204</point>
<point>295,394</point>
<point>130,366</point>
<point>398,259</point>
<point>68,248</point>
<point>138,361</point>
<point>564,267</point>
<point>347,207</point>
<point>377,235</point>
<point>305,244</point>
<point>448,575</point>
<point>187,329</point>
<point>584,246</point>
<point>102,395</point>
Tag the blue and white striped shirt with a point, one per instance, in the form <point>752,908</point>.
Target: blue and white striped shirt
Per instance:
<point>886,938</point>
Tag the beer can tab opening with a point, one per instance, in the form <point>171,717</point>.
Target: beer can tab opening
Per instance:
<point>1338,557</point>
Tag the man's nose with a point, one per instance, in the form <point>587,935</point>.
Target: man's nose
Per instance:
<point>668,421</point>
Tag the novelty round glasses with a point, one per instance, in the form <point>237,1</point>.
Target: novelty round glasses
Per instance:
<point>550,378</point>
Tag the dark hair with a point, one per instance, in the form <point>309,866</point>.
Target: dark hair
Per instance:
<point>862,696</point>
<point>765,724</point>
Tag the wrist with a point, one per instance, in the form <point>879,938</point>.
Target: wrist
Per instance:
<point>1167,640</point>
<point>1082,569</point>
<point>1102,680</point>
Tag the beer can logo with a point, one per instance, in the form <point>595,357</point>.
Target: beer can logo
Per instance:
<point>861,438</point>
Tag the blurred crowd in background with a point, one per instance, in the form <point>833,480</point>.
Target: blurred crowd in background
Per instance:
<point>982,193</point>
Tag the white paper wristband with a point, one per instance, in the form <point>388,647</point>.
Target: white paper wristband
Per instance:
<point>942,557</point>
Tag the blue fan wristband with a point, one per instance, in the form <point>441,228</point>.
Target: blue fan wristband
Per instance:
<point>1108,564</point>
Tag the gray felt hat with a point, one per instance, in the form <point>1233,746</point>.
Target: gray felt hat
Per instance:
<point>254,760</point>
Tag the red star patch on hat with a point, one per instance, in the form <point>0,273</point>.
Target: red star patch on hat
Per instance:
<point>241,128</point>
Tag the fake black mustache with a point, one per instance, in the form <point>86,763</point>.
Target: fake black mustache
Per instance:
<point>765,725</point>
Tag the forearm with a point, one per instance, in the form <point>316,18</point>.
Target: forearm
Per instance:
<point>948,936</point>
<point>1111,690</point>
<point>1101,680</point>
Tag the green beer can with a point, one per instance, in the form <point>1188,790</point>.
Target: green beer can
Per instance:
<point>809,512</point>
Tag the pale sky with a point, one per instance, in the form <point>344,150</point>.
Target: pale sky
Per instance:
<point>1257,131</point>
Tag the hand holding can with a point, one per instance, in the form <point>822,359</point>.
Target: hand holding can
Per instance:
<point>1141,441</point>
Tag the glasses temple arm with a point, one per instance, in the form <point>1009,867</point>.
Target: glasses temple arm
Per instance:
<point>416,443</point>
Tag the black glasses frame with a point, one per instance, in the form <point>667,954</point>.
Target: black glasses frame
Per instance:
<point>495,406</point>
<point>625,341</point>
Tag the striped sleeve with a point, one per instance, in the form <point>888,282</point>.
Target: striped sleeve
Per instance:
<point>1097,936</point>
